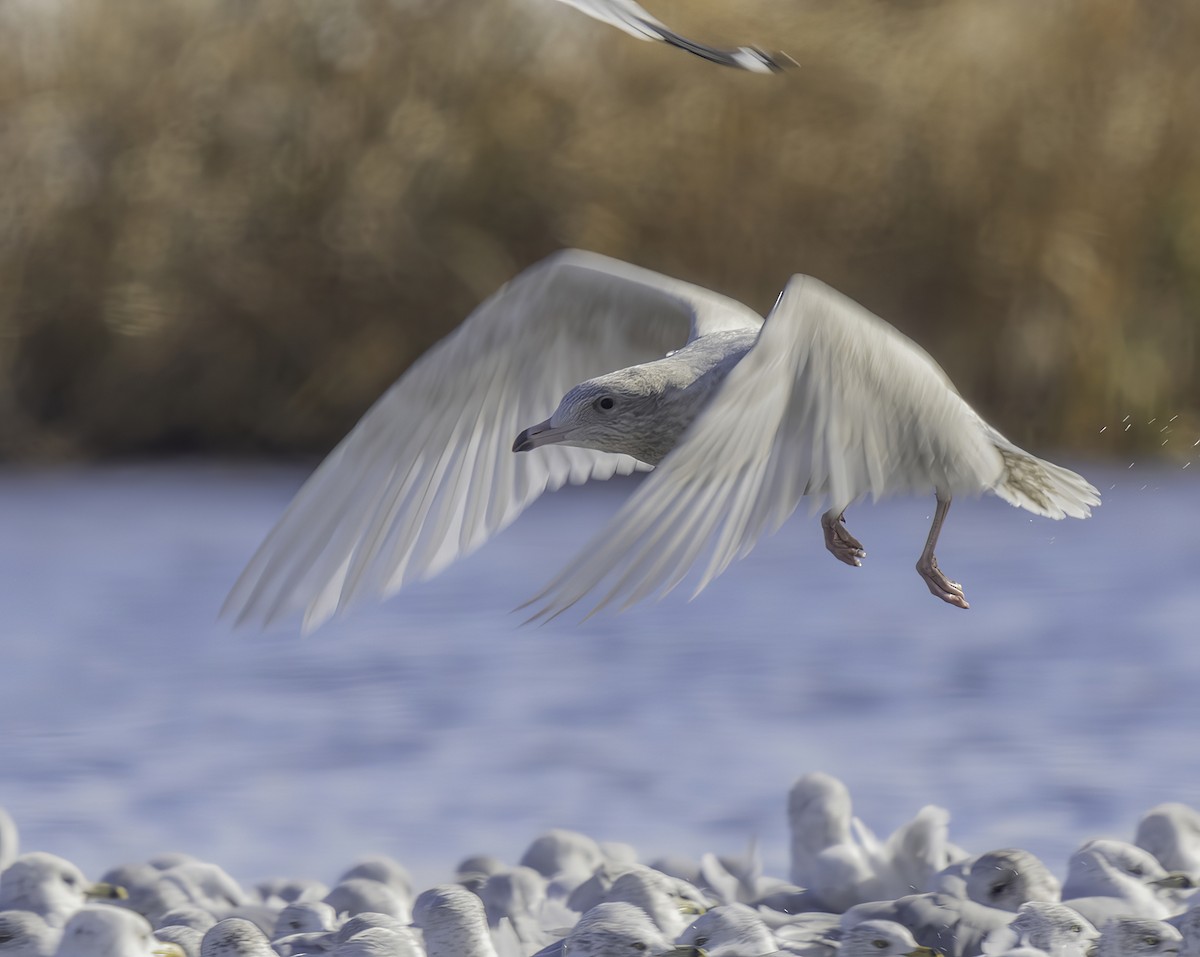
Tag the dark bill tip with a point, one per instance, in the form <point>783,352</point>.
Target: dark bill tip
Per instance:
<point>523,442</point>
<point>532,437</point>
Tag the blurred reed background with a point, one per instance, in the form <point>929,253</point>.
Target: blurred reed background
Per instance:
<point>226,226</point>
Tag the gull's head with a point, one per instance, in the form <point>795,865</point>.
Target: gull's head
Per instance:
<point>619,929</point>
<point>1006,879</point>
<point>1133,937</point>
<point>729,929</point>
<point>1048,926</point>
<point>619,412</point>
<point>884,938</point>
<point>1108,866</point>
<point>50,886</point>
<point>100,929</point>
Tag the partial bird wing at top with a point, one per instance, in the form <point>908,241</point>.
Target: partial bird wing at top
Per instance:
<point>630,17</point>
<point>831,402</point>
<point>428,474</point>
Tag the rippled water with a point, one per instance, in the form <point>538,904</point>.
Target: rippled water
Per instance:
<point>1061,706</point>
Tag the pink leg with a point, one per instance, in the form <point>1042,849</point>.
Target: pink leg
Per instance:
<point>844,546</point>
<point>927,565</point>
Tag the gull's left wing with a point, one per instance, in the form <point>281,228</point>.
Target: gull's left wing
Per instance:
<point>832,403</point>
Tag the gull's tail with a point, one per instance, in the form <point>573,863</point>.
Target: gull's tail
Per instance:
<point>1040,486</point>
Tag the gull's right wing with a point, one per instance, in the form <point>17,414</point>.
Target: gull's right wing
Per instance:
<point>428,474</point>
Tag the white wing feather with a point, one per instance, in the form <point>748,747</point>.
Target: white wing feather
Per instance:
<point>833,403</point>
<point>635,20</point>
<point>623,14</point>
<point>428,474</point>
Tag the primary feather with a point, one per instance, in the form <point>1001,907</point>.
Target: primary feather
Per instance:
<point>633,19</point>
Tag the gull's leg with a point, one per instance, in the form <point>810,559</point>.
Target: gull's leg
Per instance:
<point>927,565</point>
<point>844,546</point>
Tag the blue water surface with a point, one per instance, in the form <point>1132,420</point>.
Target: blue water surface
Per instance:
<point>1060,707</point>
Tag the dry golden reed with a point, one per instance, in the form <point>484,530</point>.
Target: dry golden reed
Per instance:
<point>227,225</point>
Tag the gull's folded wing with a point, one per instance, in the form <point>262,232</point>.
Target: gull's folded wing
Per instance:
<point>428,474</point>
<point>833,403</point>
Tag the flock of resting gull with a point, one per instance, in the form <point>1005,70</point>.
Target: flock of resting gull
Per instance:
<point>914,894</point>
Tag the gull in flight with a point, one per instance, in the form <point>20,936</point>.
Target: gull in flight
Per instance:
<point>740,418</point>
<point>634,20</point>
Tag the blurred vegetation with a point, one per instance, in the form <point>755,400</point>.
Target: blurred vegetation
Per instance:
<point>227,225</point>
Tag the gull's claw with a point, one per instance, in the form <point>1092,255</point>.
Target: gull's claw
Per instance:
<point>939,585</point>
<point>844,546</point>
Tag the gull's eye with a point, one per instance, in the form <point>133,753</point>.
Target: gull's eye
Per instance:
<point>881,944</point>
<point>1136,871</point>
<point>1077,928</point>
<point>699,941</point>
<point>999,888</point>
<point>69,880</point>
<point>1151,941</point>
<point>604,404</point>
<point>637,944</point>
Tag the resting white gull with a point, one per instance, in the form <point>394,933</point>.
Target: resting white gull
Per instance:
<point>1133,937</point>
<point>1108,879</point>
<point>1171,832</point>
<point>379,942</point>
<point>1051,928</point>
<point>25,934</point>
<point>49,886</point>
<point>617,928</point>
<point>841,862</point>
<point>364,895</point>
<point>516,896</point>
<point>563,855</point>
<point>453,922</point>
<point>100,930</point>
<point>386,870</point>
<point>997,884</point>
<point>235,937</point>
<point>883,938</point>
<point>664,899</point>
<point>1189,925</point>
<point>730,930</point>
<point>742,418</point>
<point>736,930</point>
<point>187,939</point>
<point>634,20</point>
<point>302,917</point>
